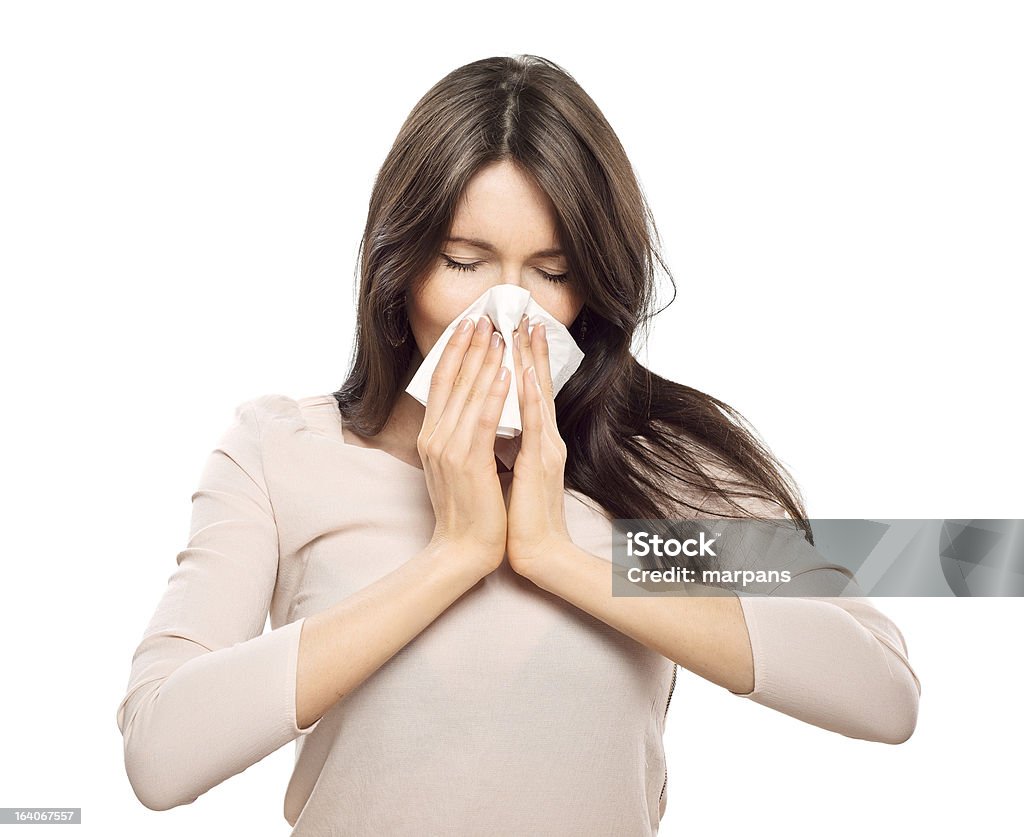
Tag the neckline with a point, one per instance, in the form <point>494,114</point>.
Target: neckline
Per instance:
<point>408,466</point>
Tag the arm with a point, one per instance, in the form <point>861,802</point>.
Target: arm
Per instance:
<point>705,634</point>
<point>209,692</point>
<point>838,664</point>
<point>832,661</point>
<point>345,644</point>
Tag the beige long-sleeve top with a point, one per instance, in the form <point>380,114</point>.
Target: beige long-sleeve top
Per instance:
<point>512,713</point>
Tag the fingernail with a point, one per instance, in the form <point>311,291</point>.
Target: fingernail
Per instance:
<point>481,324</point>
<point>503,373</point>
<point>465,325</point>
<point>496,338</point>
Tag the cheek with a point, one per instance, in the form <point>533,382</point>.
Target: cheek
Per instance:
<point>432,310</point>
<point>563,303</point>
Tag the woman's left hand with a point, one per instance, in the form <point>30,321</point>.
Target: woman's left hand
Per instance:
<point>536,510</point>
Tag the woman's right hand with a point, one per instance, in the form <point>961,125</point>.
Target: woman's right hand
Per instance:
<point>456,445</point>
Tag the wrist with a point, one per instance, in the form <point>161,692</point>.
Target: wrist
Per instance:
<point>464,563</point>
<point>545,563</point>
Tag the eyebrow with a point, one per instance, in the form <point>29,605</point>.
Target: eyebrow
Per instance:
<point>490,248</point>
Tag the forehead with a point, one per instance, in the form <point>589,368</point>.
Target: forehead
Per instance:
<point>505,207</point>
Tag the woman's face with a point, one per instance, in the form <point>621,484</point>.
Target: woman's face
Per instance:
<point>511,223</point>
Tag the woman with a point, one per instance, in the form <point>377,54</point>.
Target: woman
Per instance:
<point>444,647</point>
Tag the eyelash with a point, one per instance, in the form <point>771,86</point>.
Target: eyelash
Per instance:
<point>557,278</point>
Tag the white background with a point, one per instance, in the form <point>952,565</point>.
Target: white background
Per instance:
<point>838,190</point>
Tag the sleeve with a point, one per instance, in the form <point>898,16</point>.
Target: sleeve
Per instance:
<point>834,661</point>
<point>209,693</point>
<point>837,663</point>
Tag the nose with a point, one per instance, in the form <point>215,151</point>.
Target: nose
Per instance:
<point>511,276</point>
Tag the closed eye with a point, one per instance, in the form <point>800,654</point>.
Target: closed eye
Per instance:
<point>454,265</point>
<point>558,278</point>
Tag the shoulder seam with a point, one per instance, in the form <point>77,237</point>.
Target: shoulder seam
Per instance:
<point>279,407</point>
<point>316,404</point>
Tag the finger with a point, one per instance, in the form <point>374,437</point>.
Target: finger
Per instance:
<point>533,419</point>
<point>465,436</point>
<point>490,414</point>
<point>464,380</point>
<point>443,377</point>
<point>524,343</point>
<point>542,365</point>
<point>517,364</point>
<point>542,360</point>
<point>530,361</point>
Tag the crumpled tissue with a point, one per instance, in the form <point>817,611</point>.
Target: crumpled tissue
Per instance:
<point>505,305</point>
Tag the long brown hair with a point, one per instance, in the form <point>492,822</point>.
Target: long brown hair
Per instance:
<point>638,444</point>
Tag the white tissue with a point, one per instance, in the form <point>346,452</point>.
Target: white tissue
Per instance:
<point>505,306</point>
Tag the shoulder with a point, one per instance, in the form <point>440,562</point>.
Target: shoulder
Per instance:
<point>317,413</point>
